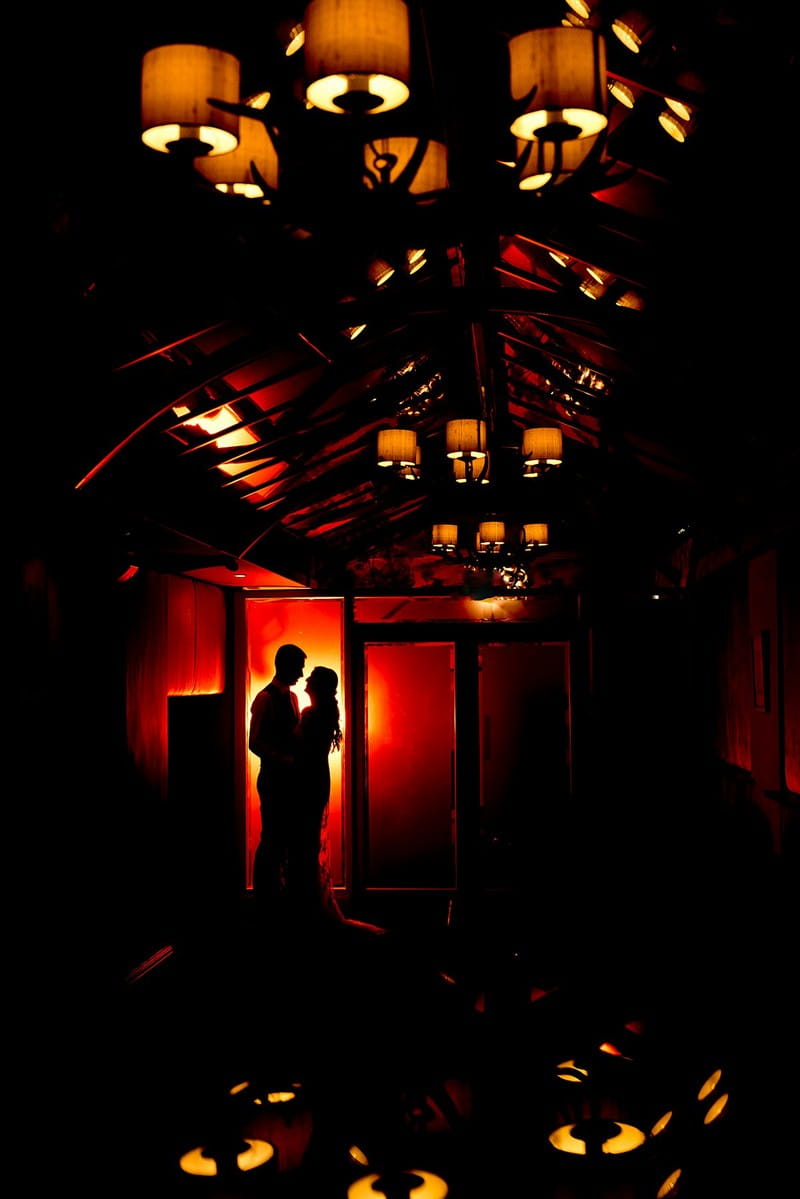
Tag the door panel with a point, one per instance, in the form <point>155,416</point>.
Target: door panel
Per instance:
<point>524,751</point>
<point>410,739</point>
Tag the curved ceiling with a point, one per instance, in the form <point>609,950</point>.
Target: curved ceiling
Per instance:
<point>205,398</point>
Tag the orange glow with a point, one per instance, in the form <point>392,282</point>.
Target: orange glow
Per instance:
<point>254,1153</point>
<point>716,1109</point>
<point>216,422</point>
<point>709,1085</point>
<point>612,1050</point>
<point>623,1140</point>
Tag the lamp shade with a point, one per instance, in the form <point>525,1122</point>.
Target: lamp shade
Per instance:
<point>542,445</point>
<point>465,438</point>
<point>558,83</point>
<point>542,162</point>
<point>533,535</point>
<point>397,447</point>
<point>357,55</point>
<point>444,537</point>
<point>491,535</point>
<point>633,28</point>
<point>176,85</point>
<point>233,172</point>
<point>414,162</point>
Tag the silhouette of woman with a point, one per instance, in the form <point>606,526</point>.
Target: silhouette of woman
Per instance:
<point>319,734</point>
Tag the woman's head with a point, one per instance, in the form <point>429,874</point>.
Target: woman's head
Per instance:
<point>323,682</point>
<point>321,687</point>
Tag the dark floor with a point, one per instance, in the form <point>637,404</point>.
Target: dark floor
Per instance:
<point>433,1045</point>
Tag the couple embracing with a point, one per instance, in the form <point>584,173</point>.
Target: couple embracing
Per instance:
<point>289,876</point>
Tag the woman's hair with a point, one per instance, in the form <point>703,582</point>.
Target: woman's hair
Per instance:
<point>324,682</point>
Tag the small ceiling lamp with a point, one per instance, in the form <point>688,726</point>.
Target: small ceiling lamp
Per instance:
<point>415,260</point>
<point>176,83</point>
<point>558,83</point>
<point>542,162</point>
<point>630,299</point>
<point>491,536</point>
<point>634,29</point>
<point>357,55</point>
<point>234,172</point>
<point>593,288</point>
<point>542,448</point>
<point>582,7</point>
<point>397,447</point>
<point>292,35</point>
<point>622,92</point>
<point>466,439</point>
<point>678,128</point>
<point>417,165</point>
<point>380,271</point>
<point>534,536</point>
<point>460,470</point>
<point>444,538</point>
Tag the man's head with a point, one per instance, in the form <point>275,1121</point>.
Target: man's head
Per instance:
<point>289,663</point>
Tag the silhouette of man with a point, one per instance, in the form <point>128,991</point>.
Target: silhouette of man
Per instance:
<point>274,717</point>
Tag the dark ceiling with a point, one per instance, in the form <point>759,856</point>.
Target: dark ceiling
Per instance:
<point>168,313</point>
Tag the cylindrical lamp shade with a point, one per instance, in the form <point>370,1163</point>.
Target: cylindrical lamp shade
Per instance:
<point>543,162</point>
<point>491,534</point>
<point>357,55</point>
<point>412,472</point>
<point>533,535</point>
<point>461,474</point>
<point>542,445</point>
<point>633,28</point>
<point>558,77</point>
<point>444,537</point>
<point>233,172</point>
<point>177,83</point>
<point>397,447</point>
<point>465,438</point>
<point>421,163</point>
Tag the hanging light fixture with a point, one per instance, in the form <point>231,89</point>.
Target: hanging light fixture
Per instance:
<point>357,55</point>
<point>672,122</point>
<point>234,172</point>
<point>397,447</point>
<point>465,440</point>
<point>558,83</point>
<point>542,448</point>
<point>534,536</point>
<point>444,538</point>
<point>622,92</point>
<point>417,165</point>
<point>634,28</point>
<point>176,83</point>
<point>491,536</point>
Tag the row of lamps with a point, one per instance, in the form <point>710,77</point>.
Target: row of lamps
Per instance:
<point>466,447</point>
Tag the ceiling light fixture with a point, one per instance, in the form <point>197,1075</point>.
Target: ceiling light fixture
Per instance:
<point>558,83</point>
<point>357,55</point>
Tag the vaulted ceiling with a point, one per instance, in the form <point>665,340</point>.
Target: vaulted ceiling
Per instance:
<point>199,388</point>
